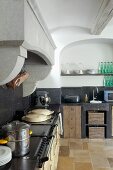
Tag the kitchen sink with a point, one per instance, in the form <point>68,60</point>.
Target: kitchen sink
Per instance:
<point>95,101</point>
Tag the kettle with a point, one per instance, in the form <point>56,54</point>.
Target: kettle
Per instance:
<point>45,100</point>
<point>42,100</point>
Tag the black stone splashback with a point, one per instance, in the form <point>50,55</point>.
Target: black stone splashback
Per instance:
<point>81,91</point>
<point>53,93</point>
<point>11,101</point>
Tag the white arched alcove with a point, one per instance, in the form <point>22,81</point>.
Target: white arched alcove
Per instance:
<point>85,54</point>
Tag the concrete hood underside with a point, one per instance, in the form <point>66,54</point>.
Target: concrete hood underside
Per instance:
<point>24,42</point>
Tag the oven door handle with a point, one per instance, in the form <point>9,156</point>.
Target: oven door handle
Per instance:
<point>45,155</point>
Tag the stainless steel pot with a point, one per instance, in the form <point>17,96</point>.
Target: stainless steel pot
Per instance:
<point>17,135</point>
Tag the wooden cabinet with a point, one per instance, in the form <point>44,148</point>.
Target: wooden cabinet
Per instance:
<point>72,121</point>
<point>96,121</point>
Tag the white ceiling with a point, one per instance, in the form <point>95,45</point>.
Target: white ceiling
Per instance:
<point>90,15</point>
<point>60,13</point>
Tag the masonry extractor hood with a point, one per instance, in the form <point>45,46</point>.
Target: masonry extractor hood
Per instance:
<point>24,40</point>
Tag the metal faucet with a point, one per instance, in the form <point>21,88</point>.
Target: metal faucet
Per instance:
<point>95,97</point>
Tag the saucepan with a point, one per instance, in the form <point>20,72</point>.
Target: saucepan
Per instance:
<point>17,136</point>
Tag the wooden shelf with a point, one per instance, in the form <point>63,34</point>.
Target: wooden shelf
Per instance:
<point>110,74</point>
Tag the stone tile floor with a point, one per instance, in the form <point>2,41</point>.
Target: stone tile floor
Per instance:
<point>85,154</point>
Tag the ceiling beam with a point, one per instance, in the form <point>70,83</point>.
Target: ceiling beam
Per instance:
<point>104,15</point>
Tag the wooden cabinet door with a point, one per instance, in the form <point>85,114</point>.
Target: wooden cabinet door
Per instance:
<point>72,121</point>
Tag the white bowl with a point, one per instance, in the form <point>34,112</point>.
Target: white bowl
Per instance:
<point>91,71</point>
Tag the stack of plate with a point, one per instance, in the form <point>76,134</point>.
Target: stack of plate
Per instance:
<point>5,155</point>
<point>38,115</point>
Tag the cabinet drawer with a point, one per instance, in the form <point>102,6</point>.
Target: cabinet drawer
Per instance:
<point>96,132</point>
<point>95,118</point>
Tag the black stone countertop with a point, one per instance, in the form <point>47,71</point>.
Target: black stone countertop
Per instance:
<point>94,106</point>
<point>19,164</point>
<point>88,103</point>
<point>27,162</point>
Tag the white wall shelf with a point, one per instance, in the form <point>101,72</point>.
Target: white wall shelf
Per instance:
<point>108,74</point>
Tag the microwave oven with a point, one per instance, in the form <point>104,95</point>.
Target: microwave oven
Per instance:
<point>108,95</point>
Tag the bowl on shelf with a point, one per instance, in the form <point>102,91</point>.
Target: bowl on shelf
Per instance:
<point>91,71</point>
<point>79,71</point>
<point>67,72</point>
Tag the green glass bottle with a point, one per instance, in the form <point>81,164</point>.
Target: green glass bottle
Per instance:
<point>99,68</point>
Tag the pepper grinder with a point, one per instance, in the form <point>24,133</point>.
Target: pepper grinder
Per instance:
<point>86,98</point>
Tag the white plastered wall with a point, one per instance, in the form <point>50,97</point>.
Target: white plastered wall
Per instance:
<point>101,49</point>
<point>53,79</point>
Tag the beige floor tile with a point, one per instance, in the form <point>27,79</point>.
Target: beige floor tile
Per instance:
<point>95,146</point>
<point>80,155</point>
<point>83,154</point>
<point>108,142</point>
<point>64,142</point>
<point>99,160</point>
<point>76,145</point>
<point>108,148</point>
<point>96,140</point>
<point>102,169</point>
<point>110,160</point>
<point>85,140</point>
<point>109,153</point>
<point>85,145</point>
<point>83,166</point>
<point>75,140</point>
<point>64,151</point>
<point>65,163</point>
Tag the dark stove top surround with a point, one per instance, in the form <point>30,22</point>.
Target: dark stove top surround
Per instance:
<point>40,130</point>
<point>40,145</point>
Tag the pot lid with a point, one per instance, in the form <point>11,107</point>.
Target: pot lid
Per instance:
<point>16,126</point>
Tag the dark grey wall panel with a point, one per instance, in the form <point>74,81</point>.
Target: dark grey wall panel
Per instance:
<point>81,91</point>
<point>54,94</point>
<point>10,101</point>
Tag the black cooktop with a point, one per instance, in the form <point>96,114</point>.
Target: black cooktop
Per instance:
<point>40,130</point>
